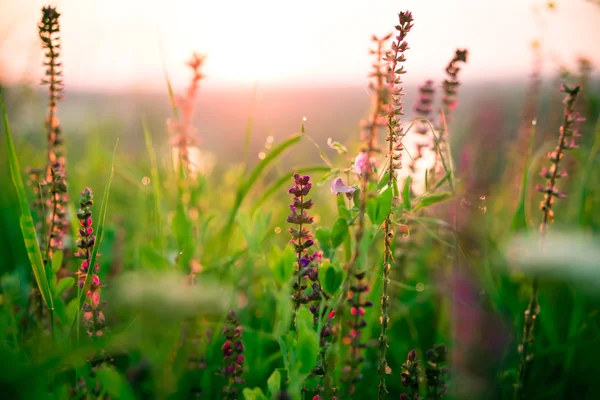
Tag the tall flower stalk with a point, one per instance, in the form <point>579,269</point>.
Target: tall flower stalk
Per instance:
<point>566,141</point>
<point>233,356</point>
<point>436,373</point>
<point>301,237</point>
<point>423,109</point>
<point>55,174</point>
<point>307,268</point>
<point>410,376</point>
<point>355,286</point>
<point>394,139</point>
<point>449,103</point>
<point>182,128</point>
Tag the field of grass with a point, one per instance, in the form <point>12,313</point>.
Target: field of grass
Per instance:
<point>218,278</point>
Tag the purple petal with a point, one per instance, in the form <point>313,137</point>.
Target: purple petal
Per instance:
<point>338,186</point>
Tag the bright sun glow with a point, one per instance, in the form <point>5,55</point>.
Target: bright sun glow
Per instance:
<point>116,44</point>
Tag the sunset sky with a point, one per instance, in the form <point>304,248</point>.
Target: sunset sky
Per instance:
<point>121,44</point>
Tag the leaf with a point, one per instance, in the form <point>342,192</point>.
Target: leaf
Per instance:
<point>379,207</point>
<point>343,211</point>
<point>63,285</point>
<point>282,264</point>
<point>274,383</point>
<point>323,235</point>
<point>99,235</point>
<point>337,146</point>
<point>26,221</point>
<point>406,193</point>
<point>113,383</point>
<point>383,181</point>
<point>57,260</point>
<point>283,312</point>
<point>332,277</point>
<point>254,394</point>
<point>339,232</point>
<point>433,198</point>
<point>307,347</point>
<point>384,203</point>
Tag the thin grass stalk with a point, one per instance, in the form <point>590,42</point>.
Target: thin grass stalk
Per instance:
<point>566,141</point>
<point>394,139</point>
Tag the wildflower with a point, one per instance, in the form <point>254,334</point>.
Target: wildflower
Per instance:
<point>451,83</point>
<point>233,356</point>
<point>449,103</point>
<point>362,164</point>
<point>566,141</point>
<point>182,129</point>
<point>338,186</point>
<point>396,58</point>
<point>92,308</point>
<point>410,376</point>
<point>424,104</point>
<point>423,109</point>
<point>55,180</point>
<point>301,237</point>
<point>436,374</point>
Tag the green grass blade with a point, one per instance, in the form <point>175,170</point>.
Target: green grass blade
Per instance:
<point>155,181</point>
<point>322,154</point>
<point>168,81</point>
<point>246,185</point>
<point>285,179</point>
<point>99,234</point>
<point>26,220</point>
<point>248,135</point>
<point>520,218</point>
<point>587,173</point>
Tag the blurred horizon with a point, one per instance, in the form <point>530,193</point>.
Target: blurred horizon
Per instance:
<point>112,46</point>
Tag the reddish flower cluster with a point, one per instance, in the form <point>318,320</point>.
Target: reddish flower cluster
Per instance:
<point>410,377</point>
<point>233,356</point>
<point>92,308</point>
<point>357,323</point>
<point>423,109</point>
<point>182,129</point>
<point>451,83</point>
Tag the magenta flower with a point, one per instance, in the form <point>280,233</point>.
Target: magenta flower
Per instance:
<point>338,186</point>
<point>362,162</point>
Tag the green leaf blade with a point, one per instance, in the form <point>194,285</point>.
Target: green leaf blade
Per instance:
<point>26,220</point>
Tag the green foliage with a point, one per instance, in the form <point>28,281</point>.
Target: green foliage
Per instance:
<point>26,221</point>
<point>332,278</point>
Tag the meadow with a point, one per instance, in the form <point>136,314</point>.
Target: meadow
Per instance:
<point>418,240</point>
